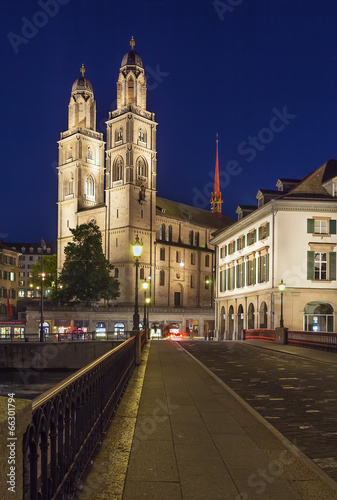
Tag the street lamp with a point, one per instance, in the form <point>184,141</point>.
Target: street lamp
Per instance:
<point>43,275</point>
<point>137,247</point>
<point>145,287</point>
<point>147,301</point>
<point>281,287</point>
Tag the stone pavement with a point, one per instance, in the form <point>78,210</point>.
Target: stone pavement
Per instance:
<point>192,437</point>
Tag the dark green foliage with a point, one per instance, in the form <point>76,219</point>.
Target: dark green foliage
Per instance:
<point>85,276</point>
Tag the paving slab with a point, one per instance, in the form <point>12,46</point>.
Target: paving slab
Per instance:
<point>194,438</point>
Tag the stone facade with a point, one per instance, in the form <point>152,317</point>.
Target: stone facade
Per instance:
<point>177,257</point>
<point>9,273</point>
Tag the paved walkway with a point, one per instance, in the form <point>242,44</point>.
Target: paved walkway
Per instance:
<point>194,438</point>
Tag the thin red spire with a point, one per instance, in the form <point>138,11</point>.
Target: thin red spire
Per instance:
<point>216,191</point>
<point>216,200</point>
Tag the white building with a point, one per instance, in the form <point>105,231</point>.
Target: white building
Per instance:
<point>290,236</point>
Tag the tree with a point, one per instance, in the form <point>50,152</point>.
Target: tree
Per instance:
<point>85,276</point>
<point>50,270</point>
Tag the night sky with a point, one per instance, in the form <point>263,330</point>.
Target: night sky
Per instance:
<point>227,66</point>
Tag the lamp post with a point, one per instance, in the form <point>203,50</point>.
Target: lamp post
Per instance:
<point>145,287</point>
<point>281,287</point>
<point>147,301</point>
<point>43,244</point>
<point>137,247</point>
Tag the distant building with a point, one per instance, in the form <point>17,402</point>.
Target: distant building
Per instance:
<point>29,254</point>
<point>289,236</point>
<point>9,270</point>
<point>115,187</point>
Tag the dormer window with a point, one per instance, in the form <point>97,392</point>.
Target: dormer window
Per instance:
<point>334,189</point>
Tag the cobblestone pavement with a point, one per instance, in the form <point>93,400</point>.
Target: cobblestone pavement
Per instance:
<point>297,396</point>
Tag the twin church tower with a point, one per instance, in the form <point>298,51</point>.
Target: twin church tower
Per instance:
<point>114,185</point>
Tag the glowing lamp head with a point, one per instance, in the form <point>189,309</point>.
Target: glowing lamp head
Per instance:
<point>282,286</point>
<point>182,264</point>
<point>145,285</point>
<point>137,248</point>
<point>148,300</point>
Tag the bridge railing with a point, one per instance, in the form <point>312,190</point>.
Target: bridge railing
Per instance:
<point>69,420</point>
<point>326,341</point>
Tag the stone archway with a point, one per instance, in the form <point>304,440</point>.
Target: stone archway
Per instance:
<point>263,315</point>
<point>230,322</point>
<point>251,314</point>
<point>222,323</point>
<point>240,321</point>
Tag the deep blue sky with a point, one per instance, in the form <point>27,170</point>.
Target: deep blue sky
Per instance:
<point>226,70</point>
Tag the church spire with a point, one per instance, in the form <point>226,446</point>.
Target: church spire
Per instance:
<point>216,200</point>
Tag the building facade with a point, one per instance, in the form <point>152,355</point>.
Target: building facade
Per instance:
<point>114,185</point>
<point>289,236</point>
<point>9,271</point>
<point>29,255</point>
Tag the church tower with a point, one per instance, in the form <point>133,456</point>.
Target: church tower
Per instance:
<point>216,200</point>
<point>81,163</point>
<point>130,175</point>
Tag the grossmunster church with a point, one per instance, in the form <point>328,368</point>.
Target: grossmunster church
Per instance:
<point>113,184</point>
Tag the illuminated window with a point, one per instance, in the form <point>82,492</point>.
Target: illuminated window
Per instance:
<point>321,265</point>
<point>321,226</point>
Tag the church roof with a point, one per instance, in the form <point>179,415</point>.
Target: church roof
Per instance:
<point>132,58</point>
<point>190,214</point>
<point>82,84</point>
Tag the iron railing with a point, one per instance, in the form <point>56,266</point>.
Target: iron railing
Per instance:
<point>70,337</point>
<point>314,340</point>
<point>69,420</point>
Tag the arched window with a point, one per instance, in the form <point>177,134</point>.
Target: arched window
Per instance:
<point>169,233</point>
<point>141,273</point>
<point>131,91</point>
<point>118,168</point>
<point>161,231</point>
<point>89,187</point>
<point>196,239</point>
<point>69,185</point>
<point>116,272</point>
<point>162,278</point>
<point>90,153</point>
<point>318,317</point>
<point>192,259</point>
<point>141,168</point>
<point>206,260</point>
<point>162,254</point>
<point>191,281</point>
<point>263,315</point>
<point>190,238</point>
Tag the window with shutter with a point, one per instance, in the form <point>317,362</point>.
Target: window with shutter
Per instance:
<point>310,265</point>
<point>310,226</point>
<point>332,265</point>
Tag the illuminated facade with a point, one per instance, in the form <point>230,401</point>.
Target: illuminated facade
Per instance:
<point>9,272</point>
<point>114,185</point>
<point>290,236</point>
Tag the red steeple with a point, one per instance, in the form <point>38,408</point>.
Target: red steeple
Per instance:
<point>216,200</point>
